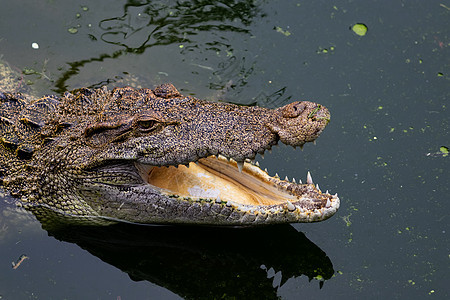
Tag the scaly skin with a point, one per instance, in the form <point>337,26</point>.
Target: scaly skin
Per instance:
<point>120,155</point>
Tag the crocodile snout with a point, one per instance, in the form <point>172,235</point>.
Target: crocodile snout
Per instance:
<point>299,122</point>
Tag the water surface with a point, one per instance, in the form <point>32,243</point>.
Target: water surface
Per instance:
<point>388,94</point>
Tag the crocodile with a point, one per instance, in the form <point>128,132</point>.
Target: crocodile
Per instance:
<point>154,156</point>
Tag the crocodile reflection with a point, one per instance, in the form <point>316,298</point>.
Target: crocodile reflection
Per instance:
<point>205,262</point>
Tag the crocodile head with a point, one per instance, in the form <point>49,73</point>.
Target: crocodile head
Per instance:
<point>155,156</point>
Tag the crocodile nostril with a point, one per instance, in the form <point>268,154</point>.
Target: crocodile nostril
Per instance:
<point>293,110</point>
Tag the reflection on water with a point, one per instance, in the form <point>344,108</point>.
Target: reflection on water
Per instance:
<point>202,262</point>
<point>193,262</point>
<point>151,23</point>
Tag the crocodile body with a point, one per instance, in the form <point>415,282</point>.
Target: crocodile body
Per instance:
<point>153,156</point>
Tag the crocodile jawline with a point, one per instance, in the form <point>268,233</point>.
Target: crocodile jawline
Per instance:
<point>219,180</point>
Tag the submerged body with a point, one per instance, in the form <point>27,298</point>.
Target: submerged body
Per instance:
<point>155,157</point>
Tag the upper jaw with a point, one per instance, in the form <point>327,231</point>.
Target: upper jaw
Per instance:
<point>294,124</point>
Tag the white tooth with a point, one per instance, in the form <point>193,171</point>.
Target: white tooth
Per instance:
<point>326,192</point>
<point>317,187</point>
<point>240,165</point>
<point>300,181</point>
<point>257,164</point>
<point>335,195</point>
<point>309,178</point>
<point>286,178</point>
<point>328,203</point>
<point>265,170</point>
<point>290,206</point>
<point>229,203</point>
<point>276,176</point>
<point>293,180</point>
<point>218,199</point>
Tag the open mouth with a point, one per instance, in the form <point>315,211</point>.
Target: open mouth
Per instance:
<point>241,186</point>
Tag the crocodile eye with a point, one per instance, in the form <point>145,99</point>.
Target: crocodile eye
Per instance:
<point>146,125</point>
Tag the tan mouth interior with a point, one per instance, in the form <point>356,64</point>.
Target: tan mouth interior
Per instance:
<point>213,178</point>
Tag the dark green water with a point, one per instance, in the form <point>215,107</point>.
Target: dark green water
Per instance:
<point>388,93</point>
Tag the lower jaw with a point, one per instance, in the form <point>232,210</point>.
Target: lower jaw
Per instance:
<point>213,191</point>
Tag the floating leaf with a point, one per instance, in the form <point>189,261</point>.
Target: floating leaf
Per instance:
<point>28,71</point>
<point>280,30</point>
<point>72,30</point>
<point>360,29</point>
